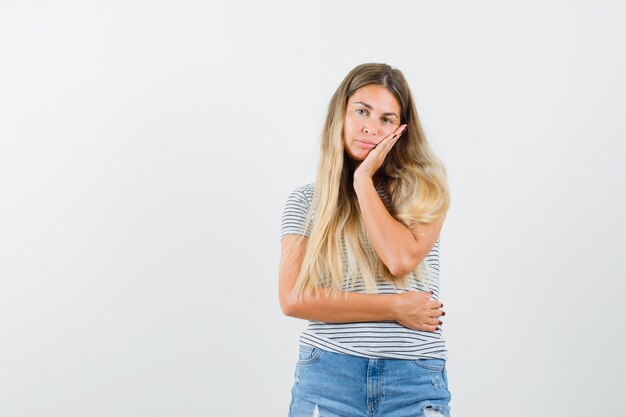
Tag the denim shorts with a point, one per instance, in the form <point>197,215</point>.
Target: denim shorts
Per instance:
<point>329,384</point>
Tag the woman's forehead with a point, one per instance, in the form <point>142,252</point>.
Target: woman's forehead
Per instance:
<point>376,96</point>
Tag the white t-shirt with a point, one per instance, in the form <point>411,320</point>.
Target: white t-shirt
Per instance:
<point>381,339</point>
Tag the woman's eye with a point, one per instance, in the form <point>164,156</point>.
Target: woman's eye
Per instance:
<point>387,121</point>
<point>361,111</point>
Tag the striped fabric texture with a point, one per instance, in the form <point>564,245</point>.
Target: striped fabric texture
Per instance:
<point>382,339</point>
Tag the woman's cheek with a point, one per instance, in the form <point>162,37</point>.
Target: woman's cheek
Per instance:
<point>385,131</point>
<point>351,125</point>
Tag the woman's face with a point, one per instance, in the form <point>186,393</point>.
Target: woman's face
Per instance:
<point>372,113</point>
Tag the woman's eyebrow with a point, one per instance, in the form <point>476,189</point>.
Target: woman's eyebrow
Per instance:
<point>371,108</point>
<point>364,104</point>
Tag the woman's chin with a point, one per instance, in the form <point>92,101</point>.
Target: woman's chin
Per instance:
<point>359,155</point>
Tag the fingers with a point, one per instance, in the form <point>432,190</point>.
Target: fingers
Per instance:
<point>431,328</point>
<point>394,136</point>
<point>425,327</point>
<point>435,314</point>
<point>430,325</point>
<point>434,305</point>
<point>400,129</point>
<point>424,313</point>
<point>433,321</point>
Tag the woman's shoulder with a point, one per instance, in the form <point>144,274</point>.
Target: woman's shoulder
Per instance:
<point>310,187</point>
<point>302,194</point>
<point>306,189</point>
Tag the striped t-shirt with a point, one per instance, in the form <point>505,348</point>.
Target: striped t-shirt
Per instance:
<point>380,339</point>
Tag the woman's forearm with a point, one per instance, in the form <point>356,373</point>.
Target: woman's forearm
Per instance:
<point>393,242</point>
<point>347,307</point>
<point>412,309</point>
<point>320,305</point>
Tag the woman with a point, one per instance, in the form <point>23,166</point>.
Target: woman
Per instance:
<point>359,259</point>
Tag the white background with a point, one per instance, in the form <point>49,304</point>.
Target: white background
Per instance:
<point>147,149</point>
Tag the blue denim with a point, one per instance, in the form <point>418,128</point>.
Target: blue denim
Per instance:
<point>329,384</point>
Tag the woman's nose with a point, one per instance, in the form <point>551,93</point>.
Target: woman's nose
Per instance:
<point>368,129</point>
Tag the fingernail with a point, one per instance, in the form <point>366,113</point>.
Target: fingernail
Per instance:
<point>444,313</point>
<point>440,322</point>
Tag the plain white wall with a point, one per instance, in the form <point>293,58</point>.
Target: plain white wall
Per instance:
<point>147,149</point>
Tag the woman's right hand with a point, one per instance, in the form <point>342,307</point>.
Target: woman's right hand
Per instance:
<point>416,310</point>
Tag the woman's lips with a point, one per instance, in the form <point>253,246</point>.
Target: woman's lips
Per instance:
<point>365,145</point>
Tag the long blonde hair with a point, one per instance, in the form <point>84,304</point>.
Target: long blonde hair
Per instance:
<point>415,179</point>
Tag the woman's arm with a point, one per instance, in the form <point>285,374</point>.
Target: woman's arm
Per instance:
<point>412,309</point>
<point>398,247</point>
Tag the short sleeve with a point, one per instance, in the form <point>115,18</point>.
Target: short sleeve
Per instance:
<point>295,213</point>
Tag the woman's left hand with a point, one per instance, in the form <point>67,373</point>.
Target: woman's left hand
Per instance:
<point>374,160</point>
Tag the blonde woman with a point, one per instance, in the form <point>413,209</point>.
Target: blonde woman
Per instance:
<point>359,259</point>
